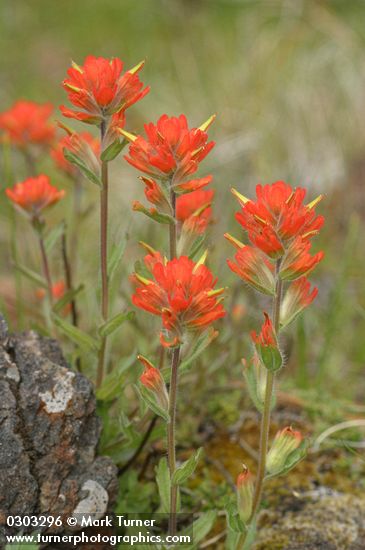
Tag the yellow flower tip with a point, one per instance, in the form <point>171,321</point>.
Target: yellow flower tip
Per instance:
<point>142,280</point>
<point>148,247</point>
<point>71,87</point>
<point>200,210</point>
<point>145,361</point>
<point>76,67</point>
<point>130,137</point>
<point>138,67</point>
<point>216,292</point>
<point>241,198</point>
<point>236,243</point>
<point>204,127</point>
<point>314,203</point>
<point>201,260</point>
<point>63,126</point>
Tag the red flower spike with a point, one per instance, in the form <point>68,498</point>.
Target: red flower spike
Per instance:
<point>182,294</point>
<point>154,194</point>
<point>245,490</point>
<point>27,123</point>
<point>253,267</point>
<point>298,296</point>
<point>298,261</point>
<point>277,216</point>
<point>170,149</point>
<point>266,345</point>
<point>152,379</point>
<point>58,291</point>
<point>194,210</point>
<point>285,443</point>
<point>84,145</point>
<point>33,195</point>
<point>100,89</point>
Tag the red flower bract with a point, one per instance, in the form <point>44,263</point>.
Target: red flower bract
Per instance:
<point>182,293</point>
<point>34,194</point>
<point>171,150</point>
<point>83,144</point>
<point>267,335</point>
<point>194,209</point>
<point>100,89</point>
<point>27,123</point>
<point>277,216</point>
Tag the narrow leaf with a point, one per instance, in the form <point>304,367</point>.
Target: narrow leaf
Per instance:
<point>115,322</point>
<point>75,334</point>
<point>163,483</point>
<point>77,161</point>
<point>183,472</point>
<point>148,397</point>
<point>31,275</point>
<point>113,150</point>
<point>67,298</point>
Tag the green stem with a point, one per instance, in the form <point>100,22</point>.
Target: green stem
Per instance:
<point>171,443</point>
<point>45,266</point>
<point>266,413</point>
<point>103,260</point>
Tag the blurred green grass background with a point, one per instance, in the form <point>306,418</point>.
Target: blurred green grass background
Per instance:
<point>287,82</point>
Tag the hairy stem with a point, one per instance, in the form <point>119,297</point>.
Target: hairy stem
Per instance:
<point>103,259</point>
<point>171,443</point>
<point>266,413</point>
<point>45,267</point>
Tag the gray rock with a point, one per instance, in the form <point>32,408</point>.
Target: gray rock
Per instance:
<point>49,433</point>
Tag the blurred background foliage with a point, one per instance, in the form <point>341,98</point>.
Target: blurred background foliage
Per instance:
<point>286,79</point>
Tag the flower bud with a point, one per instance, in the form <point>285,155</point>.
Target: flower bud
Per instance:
<point>152,379</point>
<point>285,443</point>
<point>298,296</point>
<point>266,345</point>
<point>244,494</point>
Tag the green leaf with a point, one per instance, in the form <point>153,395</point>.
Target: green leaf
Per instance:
<point>293,459</point>
<point>164,485</point>
<point>234,521</point>
<point>77,161</point>
<point>81,338</point>
<point>31,275</point>
<point>148,397</point>
<point>113,150</point>
<point>114,381</point>
<point>201,344</point>
<point>158,217</point>
<point>183,472</point>
<point>197,246</point>
<point>67,298</point>
<point>53,236</point>
<point>115,256</point>
<point>200,528</point>
<point>115,322</point>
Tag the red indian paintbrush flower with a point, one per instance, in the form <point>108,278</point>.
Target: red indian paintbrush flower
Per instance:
<point>285,443</point>
<point>171,150</point>
<point>277,216</point>
<point>194,210</point>
<point>33,195</point>
<point>27,123</point>
<point>266,345</point>
<point>298,296</point>
<point>83,144</point>
<point>100,88</point>
<point>253,267</point>
<point>58,291</point>
<point>182,294</point>
<point>152,379</point>
<point>245,490</point>
<point>298,261</point>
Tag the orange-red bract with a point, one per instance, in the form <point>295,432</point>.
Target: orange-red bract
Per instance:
<point>33,195</point>
<point>27,123</point>
<point>181,293</point>
<point>194,209</point>
<point>100,89</point>
<point>171,150</point>
<point>83,144</point>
